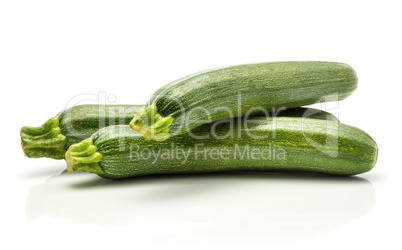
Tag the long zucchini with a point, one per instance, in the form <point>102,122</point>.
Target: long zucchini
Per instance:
<point>240,90</point>
<point>70,126</point>
<point>77,123</point>
<point>261,144</point>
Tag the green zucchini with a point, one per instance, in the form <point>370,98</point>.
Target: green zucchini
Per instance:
<point>70,126</point>
<point>261,144</point>
<point>240,90</point>
<point>77,123</point>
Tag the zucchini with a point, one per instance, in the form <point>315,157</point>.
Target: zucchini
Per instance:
<point>261,144</point>
<point>70,126</point>
<point>77,123</point>
<point>240,90</point>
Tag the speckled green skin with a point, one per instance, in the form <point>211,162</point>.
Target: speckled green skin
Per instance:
<point>305,113</point>
<point>232,91</point>
<point>70,126</point>
<point>80,122</point>
<point>309,145</point>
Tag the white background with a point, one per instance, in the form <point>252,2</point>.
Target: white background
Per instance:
<point>55,53</point>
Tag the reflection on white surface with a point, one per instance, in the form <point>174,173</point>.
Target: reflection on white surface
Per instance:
<point>272,207</point>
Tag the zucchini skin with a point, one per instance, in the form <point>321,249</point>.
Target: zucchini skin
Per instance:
<point>304,113</point>
<point>71,126</point>
<point>238,90</point>
<point>116,152</point>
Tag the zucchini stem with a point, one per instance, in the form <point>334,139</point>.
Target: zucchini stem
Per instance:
<point>44,141</point>
<point>150,124</point>
<point>84,157</point>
